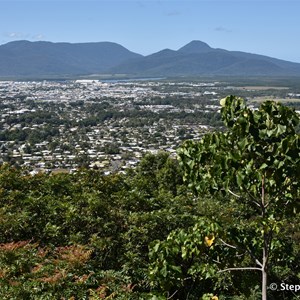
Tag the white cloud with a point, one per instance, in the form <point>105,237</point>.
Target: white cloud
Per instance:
<point>38,37</point>
<point>16,35</point>
<point>21,35</point>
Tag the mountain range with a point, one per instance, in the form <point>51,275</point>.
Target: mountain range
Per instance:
<point>42,59</point>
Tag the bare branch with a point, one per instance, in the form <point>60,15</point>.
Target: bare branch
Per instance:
<point>172,295</point>
<point>242,254</point>
<point>269,238</point>
<point>232,193</point>
<point>226,244</point>
<point>216,261</point>
<point>253,199</point>
<point>248,250</point>
<point>254,258</point>
<point>258,263</point>
<point>256,203</point>
<point>240,269</point>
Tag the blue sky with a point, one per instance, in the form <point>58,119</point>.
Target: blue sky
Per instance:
<point>269,27</point>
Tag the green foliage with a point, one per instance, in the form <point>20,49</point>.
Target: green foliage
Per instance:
<point>144,235</point>
<point>259,144</point>
<point>182,263</point>
<point>85,235</point>
<point>256,163</point>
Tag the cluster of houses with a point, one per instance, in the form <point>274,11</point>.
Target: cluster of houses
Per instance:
<point>112,143</point>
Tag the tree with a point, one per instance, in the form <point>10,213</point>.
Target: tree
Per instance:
<point>183,264</point>
<point>257,163</point>
<point>72,235</point>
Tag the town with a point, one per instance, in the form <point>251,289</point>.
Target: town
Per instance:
<point>60,126</point>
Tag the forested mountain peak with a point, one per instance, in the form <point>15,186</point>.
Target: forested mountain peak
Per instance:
<point>195,47</point>
<point>42,59</point>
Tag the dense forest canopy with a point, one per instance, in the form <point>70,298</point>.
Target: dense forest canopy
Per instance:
<point>168,229</point>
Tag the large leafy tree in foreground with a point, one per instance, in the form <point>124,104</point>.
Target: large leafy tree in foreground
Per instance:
<point>255,164</point>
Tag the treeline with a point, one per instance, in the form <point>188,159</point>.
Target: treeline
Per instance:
<point>86,235</point>
<point>90,236</point>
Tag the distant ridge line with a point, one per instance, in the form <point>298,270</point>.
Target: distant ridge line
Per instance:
<point>37,59</point>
